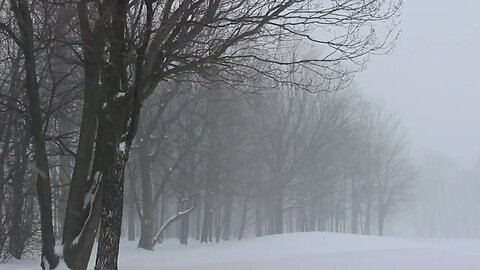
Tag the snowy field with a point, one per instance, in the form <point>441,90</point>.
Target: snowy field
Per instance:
<point>315,251</point>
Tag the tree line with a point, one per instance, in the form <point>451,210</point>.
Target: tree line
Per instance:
<point>207,115</point>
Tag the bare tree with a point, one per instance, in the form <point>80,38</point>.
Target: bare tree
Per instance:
<point>127,48</point>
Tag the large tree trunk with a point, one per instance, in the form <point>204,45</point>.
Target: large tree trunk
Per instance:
<point>113,146</point>
<point>111,224</point>
<point>17,230</point>
<point>9,127</point>
<point>117,128</point>
<point>146,234</point>
<point>44,192</point>
<point>81,221</point>
<point>114,149</point>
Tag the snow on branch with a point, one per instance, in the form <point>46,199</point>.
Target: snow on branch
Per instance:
<point>171,220</point>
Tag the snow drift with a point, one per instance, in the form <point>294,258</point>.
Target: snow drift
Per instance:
<point>325,251</point>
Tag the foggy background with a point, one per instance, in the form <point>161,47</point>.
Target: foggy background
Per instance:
<point>431,78</point>
<point>431,82</point>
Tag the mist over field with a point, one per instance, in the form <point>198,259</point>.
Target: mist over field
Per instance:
<point>429,82</point>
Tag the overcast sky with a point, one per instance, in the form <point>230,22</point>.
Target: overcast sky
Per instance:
<point>432,79</point>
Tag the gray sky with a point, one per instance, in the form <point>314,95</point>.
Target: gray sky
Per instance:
<point>432,79</point>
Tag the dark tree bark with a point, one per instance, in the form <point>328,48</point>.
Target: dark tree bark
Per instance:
<point>79,219</point>
<point>146,234</point>
<point>17,230</point>
<point>23,18</point>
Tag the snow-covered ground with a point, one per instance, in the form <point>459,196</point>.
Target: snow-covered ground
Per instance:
<point>315,251</point>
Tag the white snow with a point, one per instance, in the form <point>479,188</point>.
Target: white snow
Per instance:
<point>120,95</point>
<point>91,194</point>
<point>123,147</point>
<point>306,251</point>
<point>75,241</point>
<point>88,201</point>
<point>59,250</point>
<point>62,266</point>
